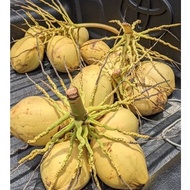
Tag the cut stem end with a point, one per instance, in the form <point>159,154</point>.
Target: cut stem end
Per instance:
<point>77,107</point>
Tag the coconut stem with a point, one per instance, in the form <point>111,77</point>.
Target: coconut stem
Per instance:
<point>77,107</point>
<point>99,25</point>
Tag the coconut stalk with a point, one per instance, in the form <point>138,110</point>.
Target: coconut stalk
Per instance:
<point>78,110</point>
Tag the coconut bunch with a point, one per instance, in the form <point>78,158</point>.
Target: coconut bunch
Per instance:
<point>94,125</point>
<point>58,39</point>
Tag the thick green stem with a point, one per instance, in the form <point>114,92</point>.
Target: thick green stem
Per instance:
<point>77,107</point>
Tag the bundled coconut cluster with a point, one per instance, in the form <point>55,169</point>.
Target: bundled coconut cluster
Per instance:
<point>60,40</point>
<point>61,49</point>
<point>92,130</point>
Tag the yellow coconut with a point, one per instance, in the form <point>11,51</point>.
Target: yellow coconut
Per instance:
<point>92,87</point>
<point>32,115</point>
<point>62,54</point>
<point>26,54</point>
<point>161,72</point>
<point>148,97</point>
<point>122,119</point>
<point>81,35</point>
<point>52,164</point>
<point>93,50</point>
<point>124,166</point>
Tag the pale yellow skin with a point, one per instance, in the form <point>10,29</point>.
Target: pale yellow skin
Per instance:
<point>92,51</point>
<point>26,54</point>
<point>81,35</point>
<point>85,82</point>
<point>160,72</point>
<point>129,160</point>
<point>122,119</point>
<point>31,116</point>
<point>62,51</point>
<point>151,99</point>
<point>52,164</point>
